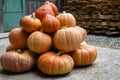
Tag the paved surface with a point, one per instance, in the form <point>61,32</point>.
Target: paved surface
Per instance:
<point>104,41</point>
<point>106,66</point>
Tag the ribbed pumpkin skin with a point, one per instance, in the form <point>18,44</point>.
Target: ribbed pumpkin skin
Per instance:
<point>18,61</point>
<point>67,39</point>
<point>52,5</point>
<point>50,24</point>
<point>52,64</point>
<point>39,42</point>
<point>85,55</point>
<point>83,31</point>
<point>66,19</point>
<point>18,38</point>
<point>42,11</point>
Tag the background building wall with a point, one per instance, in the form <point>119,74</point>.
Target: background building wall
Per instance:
<point>1,18</point>
<point>31,5</point>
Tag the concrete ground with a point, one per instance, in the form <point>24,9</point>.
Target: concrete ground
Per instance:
<point>105,67</point>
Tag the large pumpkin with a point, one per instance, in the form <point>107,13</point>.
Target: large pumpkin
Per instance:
<point>67,39</point>
<point>83,31</point>
<point>18,61</point>
<point>52,63</point>
<point>52,5</point>
<point>42,11</point>
<point>67,19</point>
<point>50,24</point>
<point>30,24</point>
<point>18,38</point>
<point>84,55</point>
<point>39,42</point>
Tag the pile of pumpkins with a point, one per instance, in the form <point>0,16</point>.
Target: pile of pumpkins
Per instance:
<point>49,41</point>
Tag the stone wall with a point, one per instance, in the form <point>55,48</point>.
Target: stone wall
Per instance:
<point>96,16</point>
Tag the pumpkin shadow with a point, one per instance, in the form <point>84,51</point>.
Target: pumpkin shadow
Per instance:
<point>12,73</point>
<point>41,74</point>
<point>5,72</point>
<point>84,67</point>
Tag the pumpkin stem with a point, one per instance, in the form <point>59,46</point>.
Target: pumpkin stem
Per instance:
<point>19,50</point>
<point>63,12</point>
<point>63,27</point>
<point>33,15</point>
<point>59,53</point>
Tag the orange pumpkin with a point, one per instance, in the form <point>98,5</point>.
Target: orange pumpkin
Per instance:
<point>18,61</point>
<point>30,24</point>
<point>52,63</point>
<point>52,5</point>
<point>84,55</point>
<point>39,42</point>
<point>66,19</point>
<point>42,11</point>
<point>18,38</point>
<point>50,24</point>
<point>67,39</point>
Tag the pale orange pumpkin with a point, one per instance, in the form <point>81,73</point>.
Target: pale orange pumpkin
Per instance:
<point>52,5</point>
<point>84,55</point>
<point>42,11</point>
<point>83,31</point>
<point>52,63</point>
<point>39,42</point>
<point>30,24</point>
<point>67,39</point>
<point>18,38</point>
<point>18,61</point>
<point>50,24</point>
<point>66,19</point>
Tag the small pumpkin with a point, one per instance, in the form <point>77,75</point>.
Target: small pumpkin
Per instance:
<point>84,55</point>
<point>52,5</point>
<point>66,19</point>
<point>18,38</point>
<point>52,63</point>
<point>9,48</point>
<point>30,24</point>
<point>50,24</point>
<point>18,61</point>
<point>67,39</point>
<point>42,11</point>
<point>39,42</point>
